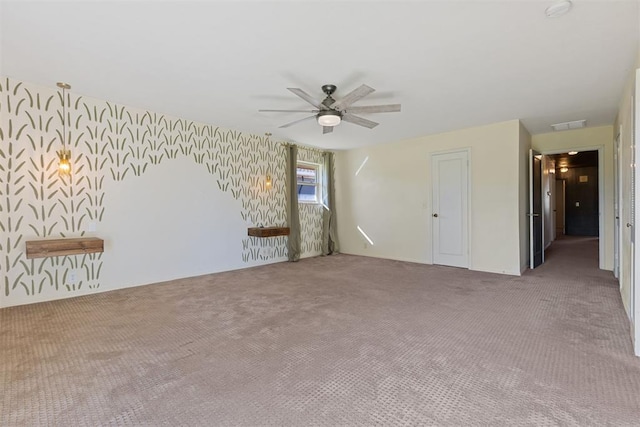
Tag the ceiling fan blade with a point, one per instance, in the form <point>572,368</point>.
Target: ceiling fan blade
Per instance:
<point>352,97</point>
<point>297,121</point>
<point>304,95</point>
<point>288,111</point>
<point>327,129</point>
<point>390,108</point>
<point>359,121</point>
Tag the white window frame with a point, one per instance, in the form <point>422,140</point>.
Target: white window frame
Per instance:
<point>318,184</point>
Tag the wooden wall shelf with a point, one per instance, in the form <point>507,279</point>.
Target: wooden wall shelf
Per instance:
<point>59,247</point>
<point>268,231</point>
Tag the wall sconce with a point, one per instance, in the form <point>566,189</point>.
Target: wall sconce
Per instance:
<point>64,165</point>
<point>564,169</point>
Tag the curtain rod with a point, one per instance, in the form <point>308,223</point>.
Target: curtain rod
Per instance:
<point>306,147</point>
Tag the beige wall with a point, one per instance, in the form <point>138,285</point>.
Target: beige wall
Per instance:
<point>588,138</point>
<point>390,197</point>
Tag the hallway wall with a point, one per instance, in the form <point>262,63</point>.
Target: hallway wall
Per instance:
<point>581,139</point>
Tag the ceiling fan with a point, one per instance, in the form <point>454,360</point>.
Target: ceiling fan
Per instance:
<point>330,113</point>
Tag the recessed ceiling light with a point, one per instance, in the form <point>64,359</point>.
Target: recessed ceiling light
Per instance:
<point>576,124</point>
<point>558,9</point>
<point>573,153</point>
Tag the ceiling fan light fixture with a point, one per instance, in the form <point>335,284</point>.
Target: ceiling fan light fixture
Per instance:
<point>329,118</point>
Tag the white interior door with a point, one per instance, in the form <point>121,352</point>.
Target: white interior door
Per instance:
<point>450,178</point>
<point>635,200</point>
<point>627,208</point>
<point>616,207</point>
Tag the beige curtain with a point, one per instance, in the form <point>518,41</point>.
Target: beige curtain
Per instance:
<point>293,215</point>
<point>329,225</point>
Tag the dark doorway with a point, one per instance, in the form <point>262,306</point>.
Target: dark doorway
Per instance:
<point>580,175</point>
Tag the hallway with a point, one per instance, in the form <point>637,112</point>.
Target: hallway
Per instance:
<point>570,255</point>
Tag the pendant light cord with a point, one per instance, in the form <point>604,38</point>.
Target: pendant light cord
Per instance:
<point>64,120</point>
<point>64,87</point>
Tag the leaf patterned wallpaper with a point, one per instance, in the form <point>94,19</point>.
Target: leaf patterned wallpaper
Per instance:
<point>111,142</point>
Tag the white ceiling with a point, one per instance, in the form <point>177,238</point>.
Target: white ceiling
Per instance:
<point>451,64</point>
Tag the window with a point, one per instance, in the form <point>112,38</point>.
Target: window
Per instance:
<point>308,177</point>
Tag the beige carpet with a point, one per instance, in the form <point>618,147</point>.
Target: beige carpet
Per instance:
<point>341,340</point>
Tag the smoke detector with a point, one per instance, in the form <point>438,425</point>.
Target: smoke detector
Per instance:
<point>558,9</point>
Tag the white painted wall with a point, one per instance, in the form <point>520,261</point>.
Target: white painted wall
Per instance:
<point>588,138</point>
<point>169,223</point>
<point>390,197</point>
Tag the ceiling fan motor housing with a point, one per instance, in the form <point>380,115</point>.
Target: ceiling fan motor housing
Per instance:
<point>329,89</point>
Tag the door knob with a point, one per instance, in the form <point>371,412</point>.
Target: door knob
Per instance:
<point>435,215</point>
<point>628,225</point>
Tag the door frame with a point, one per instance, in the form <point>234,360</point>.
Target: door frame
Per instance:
<point>564,203</point>
<point>466,150</point>
<point>533,155</point>
<point>601,209</point>
<point>549,192</point>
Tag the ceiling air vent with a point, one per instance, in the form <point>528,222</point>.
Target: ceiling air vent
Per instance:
<point>576,124</point>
